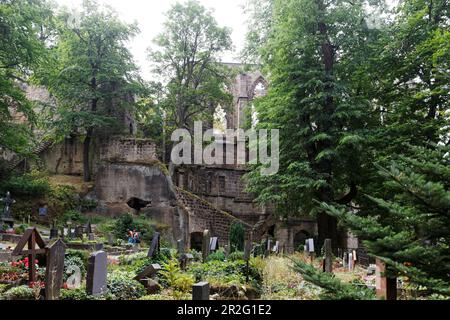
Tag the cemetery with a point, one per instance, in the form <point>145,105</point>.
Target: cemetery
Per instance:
<point>311,165</point>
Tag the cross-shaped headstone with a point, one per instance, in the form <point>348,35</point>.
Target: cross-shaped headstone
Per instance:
<point>32,238</point>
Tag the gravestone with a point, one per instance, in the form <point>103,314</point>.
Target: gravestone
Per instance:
<point>350,261</point>
<point>150,271</point>
<point>91,237</point>
<point>386,287</point>
<point>276,247</point>
<point>54,231</point>
<point>154,247</point>
<point>328,260</point>
<point>55,269</point>
<point>214,244</point>
<point>181,254</point>
<point>206,244</point>
<point>79,230</point>
<point>110,239</point>
<point>96,273</point>
<point>200,291</point>
<point>311,245</point>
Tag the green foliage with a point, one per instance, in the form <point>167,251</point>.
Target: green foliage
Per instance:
<point>122,286</point>
<point>333,288</point>
<point>236,256</point>
<point>24,27</point>
<point>237,237</point>
<point>411,231</point>
<point>225,272</point>
<point>19,293</point>
<point>78,255</point>
<point>218,255</point>
<point>26,185</point>
<point>196,82</point>
<point>75,294</point>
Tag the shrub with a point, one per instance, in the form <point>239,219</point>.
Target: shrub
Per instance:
<point>82,254</point>
<point>20,293</point>
<point>122,286</point>
<point>26,185</point>
<point>237,237</point>
<point>74,294</point>
<point>235,256</point>
<point>218,255</point>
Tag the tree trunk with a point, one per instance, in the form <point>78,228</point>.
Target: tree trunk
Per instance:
<point>327,225</point>
<point>86,163</point>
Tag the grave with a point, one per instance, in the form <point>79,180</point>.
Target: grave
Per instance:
<point>200,291</point>
<point>206,244</point>
<point>96,273</point>
<point>55,268</point>
<point>32,238</point>
<point>154,247</point>
<point>214,244</point>
<point>328,259</point>
<point>149,272</point>
<point>386,287</point>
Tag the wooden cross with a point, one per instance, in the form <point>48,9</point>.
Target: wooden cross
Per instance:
<point>32,237</point>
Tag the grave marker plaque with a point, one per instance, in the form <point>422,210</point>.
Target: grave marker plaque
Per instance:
<point>96,273</point>
<point>55,269</point>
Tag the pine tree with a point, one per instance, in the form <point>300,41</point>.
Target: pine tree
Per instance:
<point>333,288</point>
<point>313,53</point>
<point>411,233</point>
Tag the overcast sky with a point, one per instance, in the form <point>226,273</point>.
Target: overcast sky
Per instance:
<point>149,14</point>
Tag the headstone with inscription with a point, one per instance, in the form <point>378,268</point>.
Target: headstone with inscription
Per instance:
<point>328,259</point>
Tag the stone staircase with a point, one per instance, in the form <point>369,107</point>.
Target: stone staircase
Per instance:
<point>205,215</point>
<point>44,145</point>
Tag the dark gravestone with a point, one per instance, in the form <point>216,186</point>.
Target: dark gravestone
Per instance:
<point>200,291</point>
<point>149,272</point>
<point>214,244</point>
<point>79,232</point>
<point>181,254</point>
<point>154,247</point>
<point>55,269</point>
<point>328,260</point>
<point>96,273</point>
<point>54,233</point>
<point>206,244</point>
<point>91,237</point>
